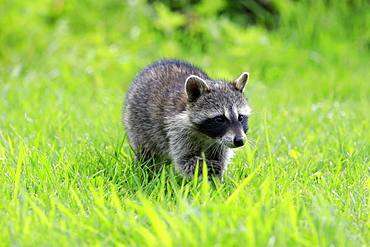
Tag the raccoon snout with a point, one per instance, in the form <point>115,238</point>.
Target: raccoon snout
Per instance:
<point>233,140</point>
<point>238,141</point>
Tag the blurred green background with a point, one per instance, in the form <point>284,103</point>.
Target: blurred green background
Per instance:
<point>67,174</point>
<point>63,49</point>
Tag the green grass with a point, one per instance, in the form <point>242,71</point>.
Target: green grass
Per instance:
<point>68,176</point>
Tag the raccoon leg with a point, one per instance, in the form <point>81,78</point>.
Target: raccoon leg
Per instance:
<point>186,153</point>
<point>184,156</point>
<point>188,166</point>
<point>187,163</point>
<point>216,157</point>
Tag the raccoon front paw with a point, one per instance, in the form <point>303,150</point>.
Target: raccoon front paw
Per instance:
<point>214,167</point>
<point>188,167</point>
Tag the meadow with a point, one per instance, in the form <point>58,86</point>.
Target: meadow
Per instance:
<point>69,178</point>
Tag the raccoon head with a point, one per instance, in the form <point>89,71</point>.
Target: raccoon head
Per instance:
<point>218,109</point>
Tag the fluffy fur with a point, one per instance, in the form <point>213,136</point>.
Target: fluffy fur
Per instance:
<point>174,111</point>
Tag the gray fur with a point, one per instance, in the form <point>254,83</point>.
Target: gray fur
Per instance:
<point>165,103</point>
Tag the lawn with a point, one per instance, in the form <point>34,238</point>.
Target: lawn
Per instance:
<point>68,175</point>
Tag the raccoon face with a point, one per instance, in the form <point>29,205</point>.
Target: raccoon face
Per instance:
<point>218,109</point>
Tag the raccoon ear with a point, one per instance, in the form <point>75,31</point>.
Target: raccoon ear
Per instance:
<point>195,87</point>
<point>240,83</point>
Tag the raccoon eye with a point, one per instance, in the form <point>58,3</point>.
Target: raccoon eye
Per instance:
<point>220,119</point>
<point>241,118</point>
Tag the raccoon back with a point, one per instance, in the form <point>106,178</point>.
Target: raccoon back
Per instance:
<point>156,93</point>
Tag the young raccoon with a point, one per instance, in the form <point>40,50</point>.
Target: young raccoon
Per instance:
<point>174,111</point>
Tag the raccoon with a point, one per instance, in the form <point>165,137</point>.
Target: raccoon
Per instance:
<point>175,111</point>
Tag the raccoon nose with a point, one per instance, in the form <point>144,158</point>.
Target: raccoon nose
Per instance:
<point>238,141</point>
